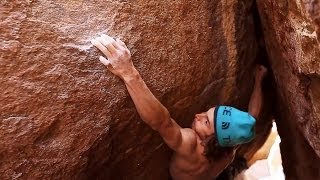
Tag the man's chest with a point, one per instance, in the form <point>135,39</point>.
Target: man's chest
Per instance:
<point>189,165</point>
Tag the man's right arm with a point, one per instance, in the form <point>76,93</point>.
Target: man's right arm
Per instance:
<point>152,111</point>
<point>149,108</point>
<point>157,116</point>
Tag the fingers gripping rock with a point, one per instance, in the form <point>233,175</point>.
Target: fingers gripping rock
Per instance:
<point>104,61</point>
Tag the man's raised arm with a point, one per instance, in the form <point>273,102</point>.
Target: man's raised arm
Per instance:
<point>149,108</point>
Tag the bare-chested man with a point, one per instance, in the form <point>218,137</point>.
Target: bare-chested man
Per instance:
<point>208,147</point>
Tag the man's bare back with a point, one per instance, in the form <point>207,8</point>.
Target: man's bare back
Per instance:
<point>189,160</point>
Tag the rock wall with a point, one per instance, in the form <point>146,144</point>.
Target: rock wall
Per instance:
<point>294,50</point>
<point>63,116</point>
<point>313,9</point>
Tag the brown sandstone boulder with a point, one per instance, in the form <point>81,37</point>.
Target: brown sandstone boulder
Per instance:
<point>63,116</point>
<point>313,8</point>
<point>294,50</point>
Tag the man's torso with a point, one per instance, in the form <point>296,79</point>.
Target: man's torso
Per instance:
<point>195,165</point>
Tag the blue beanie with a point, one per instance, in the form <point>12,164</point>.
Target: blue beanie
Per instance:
<point>232,126</point>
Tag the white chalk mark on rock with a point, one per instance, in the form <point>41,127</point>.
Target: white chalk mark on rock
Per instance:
<point>81,47</point>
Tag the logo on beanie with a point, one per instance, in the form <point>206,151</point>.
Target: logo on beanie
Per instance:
<point>225,125</point>
<point>227,140</point>
<point>226,111</point>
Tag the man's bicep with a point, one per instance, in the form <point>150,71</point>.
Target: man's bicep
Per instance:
<point>177,138</point>
<point>171,134</point>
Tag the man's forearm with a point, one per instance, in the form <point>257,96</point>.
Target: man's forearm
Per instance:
<point>148,106</point>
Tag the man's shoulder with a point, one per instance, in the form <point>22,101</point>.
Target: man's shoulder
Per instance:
<point>189,140</point>
<point>190,133</point>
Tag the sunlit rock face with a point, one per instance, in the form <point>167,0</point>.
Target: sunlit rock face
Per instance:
<point>64,116</point>
<point>313,9</point>
<point>294,50</point>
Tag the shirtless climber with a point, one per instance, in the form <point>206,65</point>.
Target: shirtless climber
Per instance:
<point>208,147</point>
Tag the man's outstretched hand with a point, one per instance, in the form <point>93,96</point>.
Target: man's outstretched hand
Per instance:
<point>118,59</point>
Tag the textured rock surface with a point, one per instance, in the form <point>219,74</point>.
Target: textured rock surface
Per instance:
<point>313,8</point>
<point>63,115</point>
<point>293,46</point>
